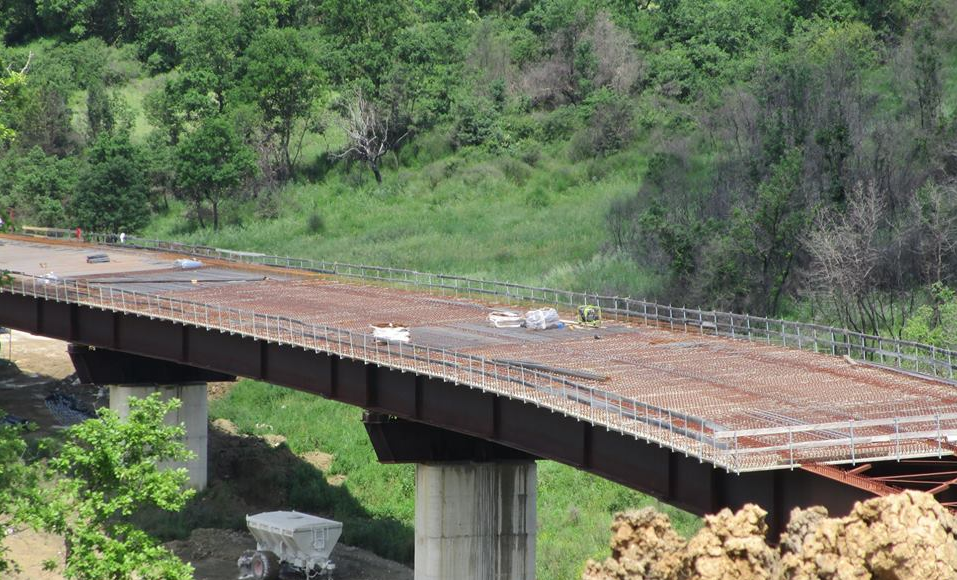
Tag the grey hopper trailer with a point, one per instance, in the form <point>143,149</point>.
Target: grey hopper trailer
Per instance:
<point>289,541</point>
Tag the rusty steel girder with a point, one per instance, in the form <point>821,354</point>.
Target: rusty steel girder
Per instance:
<point>441,406</point>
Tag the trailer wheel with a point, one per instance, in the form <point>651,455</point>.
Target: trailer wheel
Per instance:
<point>265,565</point>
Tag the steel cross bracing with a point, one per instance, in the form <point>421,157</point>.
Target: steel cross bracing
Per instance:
<point>918,430</point>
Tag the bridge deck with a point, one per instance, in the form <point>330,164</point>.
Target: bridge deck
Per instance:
<point>691,391</point>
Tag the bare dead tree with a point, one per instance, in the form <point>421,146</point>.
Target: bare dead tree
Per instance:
<point>934,211</point>
<point>556,80</point>
<point>855,256</point>
<point>26,66</point>
<point>369,133</point>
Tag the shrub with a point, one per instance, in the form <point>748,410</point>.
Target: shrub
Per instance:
<point>537,198</point>
<point>476,122</point>
<point>608,130</point>
<point>529,151</point>
<point>559,124</point>
<point>315,224</point>
<point>515,171</point>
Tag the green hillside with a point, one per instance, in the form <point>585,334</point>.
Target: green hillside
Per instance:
<point>781,157</point>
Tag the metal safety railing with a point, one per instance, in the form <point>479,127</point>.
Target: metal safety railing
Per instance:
<point>922,359</point>
<point>738,450</point>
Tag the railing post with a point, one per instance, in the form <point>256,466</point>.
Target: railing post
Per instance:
<point>791,446</point>
<point>940,451</point>
<point>897,438</point>
<point>853,455</point>
<point>736,464</point>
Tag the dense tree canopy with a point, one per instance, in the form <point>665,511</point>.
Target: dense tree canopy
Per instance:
<point>212,162</point>
<point>761,120</point>
<point>112,193</point>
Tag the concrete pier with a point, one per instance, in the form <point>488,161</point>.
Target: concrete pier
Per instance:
<point>193,414</point>
<point>475,521</point>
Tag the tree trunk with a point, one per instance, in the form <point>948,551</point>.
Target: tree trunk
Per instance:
<point>375,169</point>
<point>215,216</point>
<point>284,137</point>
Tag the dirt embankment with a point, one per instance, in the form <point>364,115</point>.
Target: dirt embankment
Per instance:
<point>908,536</point>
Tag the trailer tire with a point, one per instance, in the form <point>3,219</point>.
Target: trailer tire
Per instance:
<point>265,565</point>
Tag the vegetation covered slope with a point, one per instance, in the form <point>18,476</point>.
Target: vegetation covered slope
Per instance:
<point>777,157</point>
<point>781,157</point>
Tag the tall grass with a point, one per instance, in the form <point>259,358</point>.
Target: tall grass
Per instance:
<point>488,216</point>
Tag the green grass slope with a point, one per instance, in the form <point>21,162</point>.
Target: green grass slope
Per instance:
<point>471,212</point>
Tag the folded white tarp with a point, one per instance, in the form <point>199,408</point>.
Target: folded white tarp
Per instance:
<point>391,332</point>
<point>506,319</point>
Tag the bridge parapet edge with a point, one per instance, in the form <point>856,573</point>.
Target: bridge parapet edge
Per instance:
<point>693,436</point>
<point>899,355</point>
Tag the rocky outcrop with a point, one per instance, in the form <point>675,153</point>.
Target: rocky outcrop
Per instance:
<point>908,536</point>
<point>731,546</point>
<point>643,545</point>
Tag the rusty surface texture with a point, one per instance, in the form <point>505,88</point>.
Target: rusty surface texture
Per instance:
<point>738,404</point>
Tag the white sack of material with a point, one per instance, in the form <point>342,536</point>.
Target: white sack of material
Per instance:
<point>542,319</point>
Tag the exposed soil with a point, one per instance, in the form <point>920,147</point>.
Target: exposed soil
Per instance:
<point>42,367</point>
<point>214,552</point>
<point>29,550</point>
<point>908,536</point>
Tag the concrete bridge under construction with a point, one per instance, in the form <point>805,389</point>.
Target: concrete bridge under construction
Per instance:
<point>701,409</point>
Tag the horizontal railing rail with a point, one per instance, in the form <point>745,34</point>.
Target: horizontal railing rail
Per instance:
<point>922,359</point>
<point>734,450</point>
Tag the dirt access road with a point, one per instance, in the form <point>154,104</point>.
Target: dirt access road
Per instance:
<point>44,368</point>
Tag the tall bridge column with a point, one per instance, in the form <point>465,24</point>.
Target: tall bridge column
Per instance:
<point>475,521</point>
<point>474,501</point>
<point>131,375</point>
<point>193,414</point>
